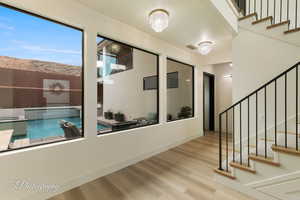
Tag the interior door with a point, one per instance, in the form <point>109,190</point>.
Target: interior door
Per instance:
<point>208,102</point>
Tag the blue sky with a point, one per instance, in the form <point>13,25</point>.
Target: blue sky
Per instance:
<point>29,37</point>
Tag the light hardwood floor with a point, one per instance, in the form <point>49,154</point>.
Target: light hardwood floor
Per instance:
<point>182,173</point>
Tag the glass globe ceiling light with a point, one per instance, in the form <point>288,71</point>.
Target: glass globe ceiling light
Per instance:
<point>205,47</point>
<point>159,19</point>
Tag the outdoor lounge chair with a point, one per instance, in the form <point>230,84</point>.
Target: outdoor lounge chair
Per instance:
<point>123,125</point>
<point>70,130</point>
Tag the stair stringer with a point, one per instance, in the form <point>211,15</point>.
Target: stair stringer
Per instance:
<point>260,185</point>
<point>277,33</point>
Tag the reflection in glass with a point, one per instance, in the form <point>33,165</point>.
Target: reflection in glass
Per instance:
<point>180,92</point>
<point>40,81</point>
<point>123,101</point>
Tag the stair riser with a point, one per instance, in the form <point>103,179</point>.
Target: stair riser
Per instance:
<point>289,162</point>
<point>264,12</point>
<point>261,26</point>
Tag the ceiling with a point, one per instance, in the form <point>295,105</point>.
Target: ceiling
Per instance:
<point>191,21</point>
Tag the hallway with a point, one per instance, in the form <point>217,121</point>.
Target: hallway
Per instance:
<point>182,173</point>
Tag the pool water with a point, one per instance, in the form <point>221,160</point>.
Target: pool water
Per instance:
<point>37,129</point>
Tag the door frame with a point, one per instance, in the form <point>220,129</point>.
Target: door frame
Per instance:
<point>212,101</point>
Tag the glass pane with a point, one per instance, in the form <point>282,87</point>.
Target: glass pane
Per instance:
<point>180,94</point>
<point>124,101</point>
<point>40,80</point>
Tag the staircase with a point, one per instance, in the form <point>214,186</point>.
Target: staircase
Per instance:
<point>263,127</point>
<point>279,19</point>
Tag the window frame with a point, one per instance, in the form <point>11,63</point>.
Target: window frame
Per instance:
<point>158,86</point>
<point>193,87</point>
<point>176,72</point>
<point>144,81</point>
<point>82,73</point>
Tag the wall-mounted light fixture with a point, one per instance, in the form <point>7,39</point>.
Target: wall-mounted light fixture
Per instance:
<point>228,76</point>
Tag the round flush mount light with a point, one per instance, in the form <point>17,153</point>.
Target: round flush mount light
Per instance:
<point>115,48</point>
<point>205,47</point>
<point>159,19</point>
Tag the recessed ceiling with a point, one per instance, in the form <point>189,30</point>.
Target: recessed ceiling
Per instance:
<point>191,21</point>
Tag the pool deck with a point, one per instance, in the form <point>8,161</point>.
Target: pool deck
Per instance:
<point>20,143</point>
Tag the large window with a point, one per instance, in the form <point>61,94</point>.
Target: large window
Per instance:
<point>127,95</point>
<point>180,90</point>
<point>40,80</point>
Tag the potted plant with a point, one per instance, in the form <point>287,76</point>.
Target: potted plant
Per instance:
<point>108,115</point>
<point>185,112</point>
<point>119,117</point>
<point>169,117</point>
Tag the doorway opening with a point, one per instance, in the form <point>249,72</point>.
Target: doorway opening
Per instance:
<point>208,102</point>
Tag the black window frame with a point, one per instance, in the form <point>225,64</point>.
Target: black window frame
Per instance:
<point>144,79</point>
<point>82,74</point>
<point>158,86</point>
<point>177,80</point>
<point>144,83</point>
<point>193,88</point>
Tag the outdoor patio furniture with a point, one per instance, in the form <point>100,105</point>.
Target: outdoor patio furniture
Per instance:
<point>123,125</point>
<point>70,130</point>
<point>5,137</point>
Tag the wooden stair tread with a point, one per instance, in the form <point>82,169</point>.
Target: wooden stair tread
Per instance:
<point>289,132</point>
<point>286,150</point>
<point>262,20</point>
<point>224,173</point>
<point>292,30</point>
<point>278,24</point>
<point>242,167</point>
<point>248,16</point>
<point>268,140</point>
<point>262,159</point>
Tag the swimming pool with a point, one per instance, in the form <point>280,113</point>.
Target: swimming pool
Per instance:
<point>37,129</point>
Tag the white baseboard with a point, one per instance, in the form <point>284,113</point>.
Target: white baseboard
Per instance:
<point>85,178</point>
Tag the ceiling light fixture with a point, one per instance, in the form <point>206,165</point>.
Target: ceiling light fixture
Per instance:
<point>205,47</point>
<point>159,19</point>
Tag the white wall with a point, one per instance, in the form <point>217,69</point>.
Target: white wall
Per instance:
<point>256,60</point>
<point>69,164</point>
<point>224,9</point>
<point>126,94</point>
<point>223,89</point>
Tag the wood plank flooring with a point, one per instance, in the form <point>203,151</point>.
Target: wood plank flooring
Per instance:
<point>182,173</point>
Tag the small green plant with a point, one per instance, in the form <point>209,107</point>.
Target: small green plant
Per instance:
<point>169,117</point>
<point>119,117</point>
<point>108,115</point>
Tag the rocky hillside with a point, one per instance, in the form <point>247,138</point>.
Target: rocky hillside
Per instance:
<point>40,66</point>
